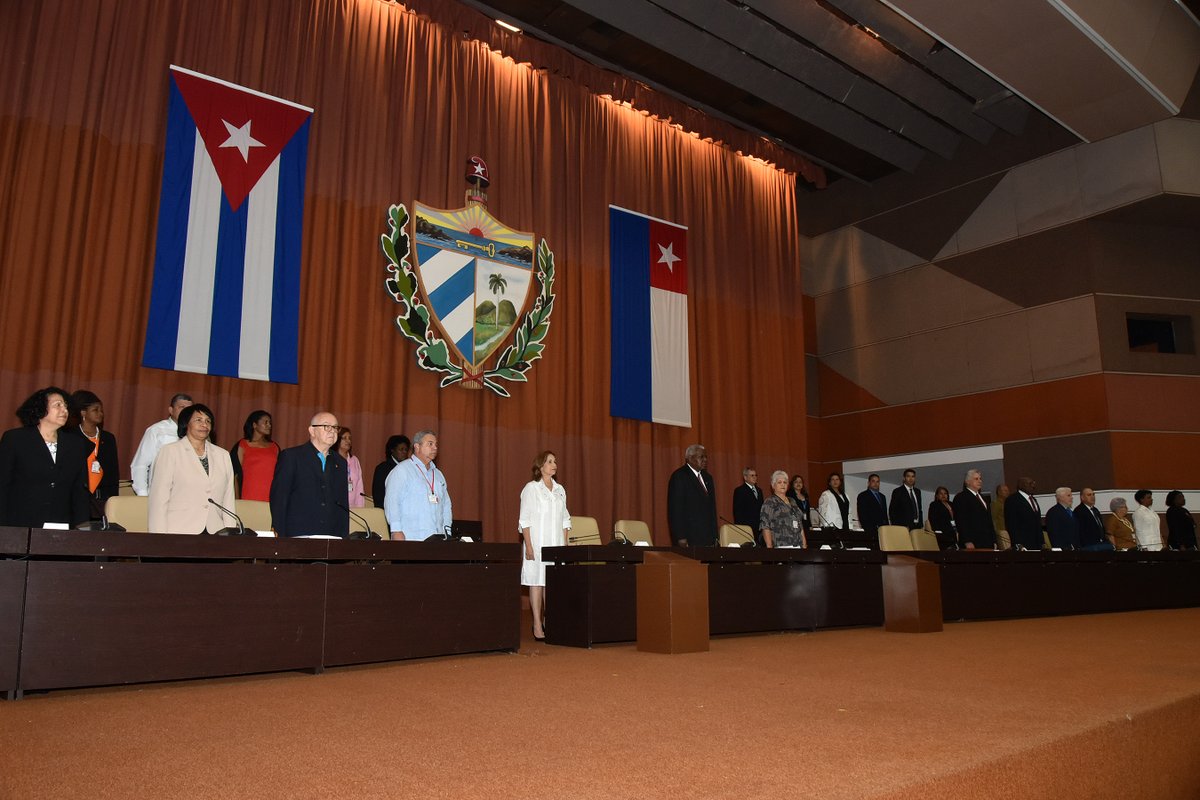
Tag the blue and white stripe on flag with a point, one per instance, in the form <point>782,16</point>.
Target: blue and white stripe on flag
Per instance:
<point>651,378</point>
<point>226,292</point>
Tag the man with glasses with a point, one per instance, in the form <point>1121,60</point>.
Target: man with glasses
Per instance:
<point>308,492</point>
<point>416,500</point>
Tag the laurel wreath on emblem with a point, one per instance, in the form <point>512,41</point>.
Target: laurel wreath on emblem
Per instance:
<point>432,352</point>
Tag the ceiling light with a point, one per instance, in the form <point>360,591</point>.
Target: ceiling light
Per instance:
<point>508,26</point>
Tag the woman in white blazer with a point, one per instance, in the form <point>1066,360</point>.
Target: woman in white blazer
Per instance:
<point>188,473</point>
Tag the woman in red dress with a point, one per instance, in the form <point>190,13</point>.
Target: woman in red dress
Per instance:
<point>254,457</point>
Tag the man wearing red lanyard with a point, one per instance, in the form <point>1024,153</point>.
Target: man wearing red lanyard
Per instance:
<point>416,501</point>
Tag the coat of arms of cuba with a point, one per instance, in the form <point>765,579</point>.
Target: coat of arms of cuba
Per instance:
<point>462,296</point>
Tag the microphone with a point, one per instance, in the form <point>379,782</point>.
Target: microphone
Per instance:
<point>240,530</point>
<point>752,542</point>
<point>619,537</point>
<point>367,496</point>
<point>368,534</point>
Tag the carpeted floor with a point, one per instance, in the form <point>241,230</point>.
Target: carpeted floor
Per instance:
<point>1088,707</point>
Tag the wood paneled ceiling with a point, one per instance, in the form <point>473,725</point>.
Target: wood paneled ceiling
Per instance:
<point>869,89</point>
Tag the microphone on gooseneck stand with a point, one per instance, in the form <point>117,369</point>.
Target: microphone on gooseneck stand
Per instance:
<point>619,537</point>
<point>752,542</point>
<point>240,530</point>
<point>368,534</point>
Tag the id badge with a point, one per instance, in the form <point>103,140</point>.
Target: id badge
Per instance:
<point>95,467</point>
<point>795,524</point>
<point>433,498</point>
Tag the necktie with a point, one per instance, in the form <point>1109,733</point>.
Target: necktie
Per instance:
<point>703,486</point>
<point>1096,514</point>
<point>1033,502</point>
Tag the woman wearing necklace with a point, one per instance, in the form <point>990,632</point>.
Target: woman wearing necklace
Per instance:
<point>781,520</point>
<point>544,522</point>
<point>187,474</point>
<point>43,476</point>
<point>1119,526</point>
<point>103,465</point>
<point>354,479</point>
<point>834,505</point>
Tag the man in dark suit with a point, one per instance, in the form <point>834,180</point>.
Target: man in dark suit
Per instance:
<point>1023,516</point>
<point>972,515</point>
<point>1091,526</point>
<point>308,492</point>
<point>1060,521</point>
<point>747,502</point>
<point>691,501</point>
<point>872,507</point>
<point>905,508</point>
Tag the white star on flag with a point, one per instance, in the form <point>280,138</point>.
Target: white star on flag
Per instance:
<point>668,256</point>
<point>241,139</point>
<point>477,169</point>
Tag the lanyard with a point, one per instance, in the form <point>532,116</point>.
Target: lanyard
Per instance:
<point>432,475</point>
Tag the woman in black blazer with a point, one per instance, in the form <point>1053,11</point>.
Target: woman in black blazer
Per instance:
<point>43,476</point>
<point>104,470</point>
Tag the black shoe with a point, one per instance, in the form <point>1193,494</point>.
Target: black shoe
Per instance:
<point>537,638</point>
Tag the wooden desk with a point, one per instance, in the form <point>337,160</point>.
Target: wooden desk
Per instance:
<point>592,594</point>
<point>106,608</point>
<point>995,584</point>
<point>14,544</point>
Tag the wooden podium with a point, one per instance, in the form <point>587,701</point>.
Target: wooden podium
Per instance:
<point>672,604</point>
<point>912,595</point>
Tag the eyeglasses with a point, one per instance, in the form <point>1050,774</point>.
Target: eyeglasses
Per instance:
<point>328,428</point>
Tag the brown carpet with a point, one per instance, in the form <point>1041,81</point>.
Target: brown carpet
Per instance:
<point>1087,707</point>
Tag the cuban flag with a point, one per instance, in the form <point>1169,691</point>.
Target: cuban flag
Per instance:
<point>226,293</point>
<point>648,283</point>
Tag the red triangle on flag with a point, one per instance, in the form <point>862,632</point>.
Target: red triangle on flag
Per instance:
<point>243,130</point>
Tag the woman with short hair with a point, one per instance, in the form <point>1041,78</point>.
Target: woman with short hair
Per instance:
<point>1181,528</point>
<point>544,522</point>
<point>781,521</point>
<point>1119,527</point>
<point>941,516</point>
<point>1146,524</point>
<point>187,474</point>
<point>43,476</point>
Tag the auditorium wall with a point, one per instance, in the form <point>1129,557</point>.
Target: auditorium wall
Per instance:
<point>403,95</point>
<point>996,313</point>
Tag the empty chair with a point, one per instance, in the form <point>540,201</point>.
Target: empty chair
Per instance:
<point>255,514</point>
<point>634,531</point>
<point>130,512</point>
<point>125,489</point>
<point>584,530</point>
<point>894,537</point>
<point>740,535</point>
<point>375,517</point>
<point>924,540</point>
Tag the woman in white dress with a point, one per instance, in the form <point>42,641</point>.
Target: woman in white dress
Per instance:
<point>544,523</point>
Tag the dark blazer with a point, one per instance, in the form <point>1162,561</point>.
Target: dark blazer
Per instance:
<point>379,480</point>
<point>804,506</point>
<point>109,462</point>
<point>974,520</point>
<point>1091,530</point>
<point>36,489</point>
<point>872,511</point>
<point>901,511</point>
<point>691,511</point>
<point>1062,527</point>
<point>306,500</point>
<point>1181,528</point>
<point>747,507</point>
<point>1024,525</point>
<point>940,519</point>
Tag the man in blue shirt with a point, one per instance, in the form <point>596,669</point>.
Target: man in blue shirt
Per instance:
<point>416,501</point>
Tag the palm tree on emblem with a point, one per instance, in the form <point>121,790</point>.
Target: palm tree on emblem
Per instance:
<point>497,283</point>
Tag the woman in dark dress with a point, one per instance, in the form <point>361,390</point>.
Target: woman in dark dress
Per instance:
<point>43,477</point>
<point>798,493</point>
<point>1181,528</point>
<point>941,516</point>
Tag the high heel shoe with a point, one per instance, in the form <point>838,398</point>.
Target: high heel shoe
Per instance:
<point>537,638</point>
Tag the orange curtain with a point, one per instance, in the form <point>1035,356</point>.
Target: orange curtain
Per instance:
<point>402,97</point>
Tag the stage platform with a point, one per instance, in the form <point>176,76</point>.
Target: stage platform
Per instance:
<point>1090,706</point>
